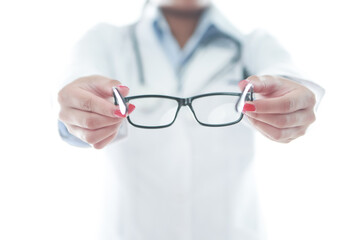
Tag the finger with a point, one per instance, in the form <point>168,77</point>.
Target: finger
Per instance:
<point>87,120</point>
<point>87,101</point>
<point>91,94</point>
<point>264,85</point>
<point>242,84</point>
<point>102,86</point>
<point>104,142</point>
<point>283,135</point>
<point>288,103</point>
<point>93,136</point>
<point>295,119</point>
<point>124,90</point>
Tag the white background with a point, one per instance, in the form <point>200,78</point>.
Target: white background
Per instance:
<point>309,189</point>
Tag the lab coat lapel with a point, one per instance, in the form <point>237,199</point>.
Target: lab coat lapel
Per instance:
<point>159,74</point>
<point>206,62</point>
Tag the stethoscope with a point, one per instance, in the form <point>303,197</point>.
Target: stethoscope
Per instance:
<point>236,58</point>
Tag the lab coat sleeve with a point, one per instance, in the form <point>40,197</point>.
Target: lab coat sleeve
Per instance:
<point>90,56</point>
<point>263,55</point>
<point>69,138</point>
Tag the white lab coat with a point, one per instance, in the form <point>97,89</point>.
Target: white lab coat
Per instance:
<point>186,181</point>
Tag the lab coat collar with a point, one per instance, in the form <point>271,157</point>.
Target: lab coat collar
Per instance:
<point>157,80</point>
<point>212,16</point>
<point>179,57</point>
<point>221,23</point>
<point>197,72</point>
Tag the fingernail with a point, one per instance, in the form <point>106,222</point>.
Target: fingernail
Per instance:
<point>118,113</point>
<point>131,108</point>
<point>123,87</point>
<point>243,81</point>
<point>249,107</point>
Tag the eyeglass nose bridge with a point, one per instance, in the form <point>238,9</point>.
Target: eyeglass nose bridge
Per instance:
<point>185,101</point>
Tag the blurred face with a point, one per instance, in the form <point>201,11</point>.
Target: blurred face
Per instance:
<point>183,4</point>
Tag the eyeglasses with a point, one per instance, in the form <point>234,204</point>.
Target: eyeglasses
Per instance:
<point>159,111</point>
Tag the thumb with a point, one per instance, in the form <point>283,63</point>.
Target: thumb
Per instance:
<point>264,85</point>
<point>102,86</point>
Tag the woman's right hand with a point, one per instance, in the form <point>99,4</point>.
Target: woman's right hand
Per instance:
<point>87,110</point>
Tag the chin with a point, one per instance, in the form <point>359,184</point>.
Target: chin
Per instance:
<point>183,5</point>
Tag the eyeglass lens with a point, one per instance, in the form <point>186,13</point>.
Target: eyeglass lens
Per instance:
<point>153,112</point>
<point>216,109</point>
<point>209,110</point>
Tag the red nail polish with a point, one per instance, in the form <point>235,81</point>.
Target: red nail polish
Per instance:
<point>118,113</point>
<point>131,108</point>
<point>123,87</point>
<point>249,107</point>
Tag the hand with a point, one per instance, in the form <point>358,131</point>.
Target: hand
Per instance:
<point>284,110</point>
<point>88,112</point>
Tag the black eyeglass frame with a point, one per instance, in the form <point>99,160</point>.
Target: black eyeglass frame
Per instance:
<point>188,102</point>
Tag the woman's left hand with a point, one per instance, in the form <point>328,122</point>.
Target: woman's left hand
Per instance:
<point>283,110</point>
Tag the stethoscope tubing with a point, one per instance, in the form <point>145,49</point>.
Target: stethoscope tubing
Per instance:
<point>140,64</point>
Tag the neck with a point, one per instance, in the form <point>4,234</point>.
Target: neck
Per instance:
<point>182,22</point>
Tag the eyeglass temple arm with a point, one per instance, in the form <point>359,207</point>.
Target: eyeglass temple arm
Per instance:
<point>247,95</point>
<point>119,101</point>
